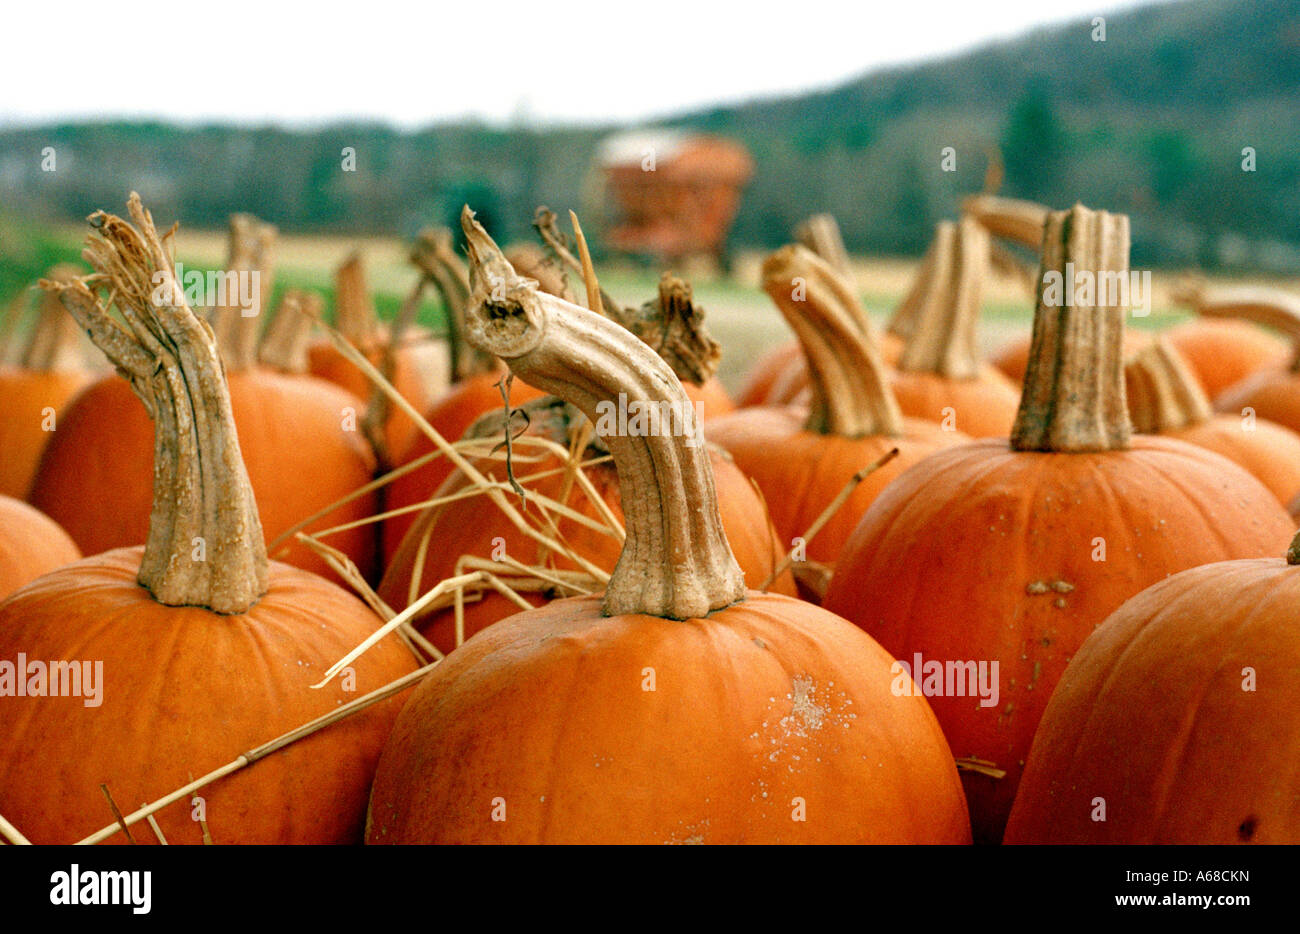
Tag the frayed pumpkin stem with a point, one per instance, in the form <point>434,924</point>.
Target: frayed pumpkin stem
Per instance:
<point>1021,222</point>
<point>821,234</point>
<point>676,562</point>
<point>205,545</point>
<point>284,345</point>
<point>1074,395</point>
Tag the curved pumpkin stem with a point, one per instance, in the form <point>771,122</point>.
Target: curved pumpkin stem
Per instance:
<point>205,544</point>
<point>947,311</point>
<point>55,342</point>
<point>1011,219</point>
<point>435,256</point>
<point>1074,397</point>
<point>1163,395</point>
<point>676,562</point>
<point>235,324</point>
<point>850,392</point>
<point>1272,308</point>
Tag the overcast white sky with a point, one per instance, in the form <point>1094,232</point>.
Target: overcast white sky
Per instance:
<point>415,62</point>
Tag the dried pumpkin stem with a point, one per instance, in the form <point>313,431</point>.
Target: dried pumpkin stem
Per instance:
<point>1011,219</point>
<point>354,313</point>
<point>237,324</point>
<point>943,341</point>
<point>55,342</point>
<point>284,345</point>
<point>676,562</point>
<point>821,234</point>
<point>850,391</point>
<point>435,256</point>
<point>205,545</point>
<point>1074,397</point>
<point>1163,394</point>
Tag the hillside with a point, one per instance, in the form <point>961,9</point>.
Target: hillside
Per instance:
<point>1152,121</point>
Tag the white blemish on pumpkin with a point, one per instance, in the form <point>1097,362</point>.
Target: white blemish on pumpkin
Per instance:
<point>1036,587</point>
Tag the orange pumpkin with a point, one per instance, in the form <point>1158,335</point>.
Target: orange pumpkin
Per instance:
<point>740,710</point>
<point>469,526</point>
<point>1273,392</point>
<point>1165,398</point>
<point>301,443</point>
<point>803,458</point>
<point>1012,360</point>
<point>204,655</point>
<point>36,390</point>
<point>940,376</point>
<point>31,544</point>
<point>1195,672</point>
<point>1012,553</point>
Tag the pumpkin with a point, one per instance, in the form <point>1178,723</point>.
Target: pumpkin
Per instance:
<point>802,458</point>
<point>36,390</point>
<point>1178,720</point>
<point>446,532</point>
<point>31,544</point>
<point>416,365</point>
<point>1165,398</point>
<point>1220,349</point>
<point>1273,392</point>
<point>940,375</point>
<point>207,648</point>
<point>754,717</point>
<point>301,444</point>
<point>771,367</point>
<point>1010,552</point>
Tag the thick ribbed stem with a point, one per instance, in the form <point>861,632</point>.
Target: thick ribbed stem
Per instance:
<point>354,313</point>
<point>237,321</point>
<point>1073,397</point>
<point>1272,308</point>
<point>821,234</point>
<point>676,562</point>
<point>1163,394</point>
<point>205,545</point>
<point>284,345</point>
<point>55,342</point>
<point>903,322</point>
<point>1018,221</point>
<point>947,314</point>
<point>850,392</point>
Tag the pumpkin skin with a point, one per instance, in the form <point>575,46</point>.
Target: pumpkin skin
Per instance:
<point>96,480</point>
<point>982,553</point>
<point>769,368</point>
<point>732,733</point>
<point>1267,451</point>
<point>1222,352</point>
<point>471,526</point>
<point>468,400</point>
<point>801,472</point>
<point>420,375</point>
<point>26,395</point>
<point>1273,394</point>
<point>31,544</point>
<point>983,407</point>
<point>184,691</point>
<point>1152,710</point>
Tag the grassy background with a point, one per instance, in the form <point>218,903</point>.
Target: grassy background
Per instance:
<point>740,316</point>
